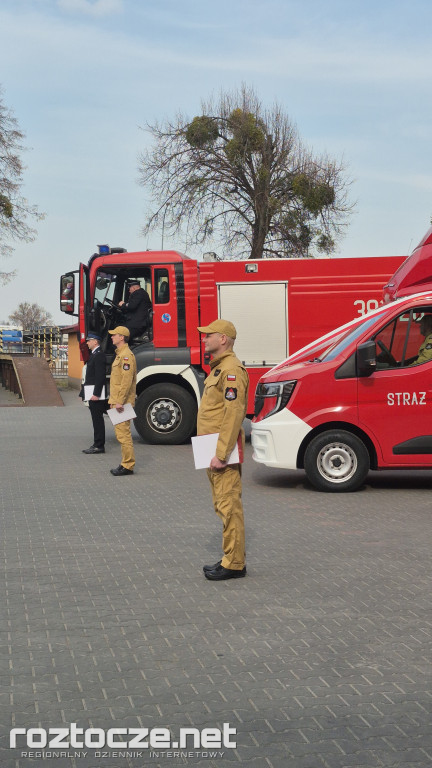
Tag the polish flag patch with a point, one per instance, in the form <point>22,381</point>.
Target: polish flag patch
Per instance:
<point>231,377</point>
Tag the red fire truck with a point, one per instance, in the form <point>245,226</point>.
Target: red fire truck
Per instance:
<point>277,306</point>
<point>359,397</point>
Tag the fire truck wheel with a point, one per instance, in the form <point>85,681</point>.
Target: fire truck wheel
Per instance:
<point>166,414</point>
<point>336,461</point>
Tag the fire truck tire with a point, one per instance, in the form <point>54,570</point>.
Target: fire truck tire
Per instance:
<point>165,414</point>
<point>336,461</point>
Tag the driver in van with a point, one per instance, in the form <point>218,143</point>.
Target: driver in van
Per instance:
<point>425,350</point>
<point>136,309</point>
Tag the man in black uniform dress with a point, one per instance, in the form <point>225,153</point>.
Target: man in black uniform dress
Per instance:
<point>96,376</point>
<point>136,310</point>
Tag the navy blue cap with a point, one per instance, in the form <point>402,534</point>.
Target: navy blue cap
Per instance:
<point>92,335</point>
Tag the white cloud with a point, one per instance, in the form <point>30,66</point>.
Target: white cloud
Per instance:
<point>95,8</point>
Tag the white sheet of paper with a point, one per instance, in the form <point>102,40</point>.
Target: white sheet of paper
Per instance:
<point>88,392</point>
<point>118,417</point>
<point>204,448</point>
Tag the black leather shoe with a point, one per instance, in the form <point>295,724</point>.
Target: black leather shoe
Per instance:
<point>93,449</point>
<point>121,470</point>
<point>220,573</point>
<point>211,567</point>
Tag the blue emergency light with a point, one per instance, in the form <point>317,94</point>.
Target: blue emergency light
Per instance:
<point>104,250</point>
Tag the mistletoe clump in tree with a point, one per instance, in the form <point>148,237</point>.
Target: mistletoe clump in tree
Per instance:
<point>240,177</point>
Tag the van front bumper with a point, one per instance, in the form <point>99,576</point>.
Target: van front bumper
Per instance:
<point>276,440</point>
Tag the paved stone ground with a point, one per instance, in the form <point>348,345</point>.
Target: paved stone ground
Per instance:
<point>320,658</point>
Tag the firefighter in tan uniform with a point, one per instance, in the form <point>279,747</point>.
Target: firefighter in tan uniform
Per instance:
<point>425,350</point>
<point>122,391</point>
<point>222,409</point>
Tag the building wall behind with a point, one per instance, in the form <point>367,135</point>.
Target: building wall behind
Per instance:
<point>75,365</point>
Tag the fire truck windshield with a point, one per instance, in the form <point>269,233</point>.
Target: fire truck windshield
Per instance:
<point>112,291</point>
<point>105,287</point>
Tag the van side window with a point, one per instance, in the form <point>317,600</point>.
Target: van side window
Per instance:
<point>162,287</point>
<point>406,341</point>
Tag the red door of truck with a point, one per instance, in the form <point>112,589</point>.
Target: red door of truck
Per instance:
<point>395,402</point>
<point>84,298</point>
<point>167,305</point>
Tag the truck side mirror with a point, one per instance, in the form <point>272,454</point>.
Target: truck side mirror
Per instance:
<point>366,358</point>
<point>67,293</point>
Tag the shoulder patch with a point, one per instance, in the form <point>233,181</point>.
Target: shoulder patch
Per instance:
<point>231,393</point>
<point>428,346</point>
<point>217,372</point>
<point>125,358</point>
<point>231,377</point>
<point>126,366</point>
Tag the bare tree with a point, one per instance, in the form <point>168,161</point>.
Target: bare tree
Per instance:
<point>15,211</point>
<point>240,176</point>
<point>30,316</point>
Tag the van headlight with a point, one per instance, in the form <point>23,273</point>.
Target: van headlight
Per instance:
<point>281,391</point>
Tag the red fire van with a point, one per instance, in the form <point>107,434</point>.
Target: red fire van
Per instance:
<point>354,400</point>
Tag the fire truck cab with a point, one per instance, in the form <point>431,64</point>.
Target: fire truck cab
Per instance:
<point>168,356</point>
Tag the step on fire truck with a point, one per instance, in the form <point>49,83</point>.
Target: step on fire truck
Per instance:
<point>277,306</point>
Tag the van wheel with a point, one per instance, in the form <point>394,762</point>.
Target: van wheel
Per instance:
<point>165,414</point>
<point>336,461</point>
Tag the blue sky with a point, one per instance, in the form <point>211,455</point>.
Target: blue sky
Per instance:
<point>83,77</point>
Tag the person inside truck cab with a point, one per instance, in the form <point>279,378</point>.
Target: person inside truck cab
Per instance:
<point>136,310</point>
<point>425,350</point>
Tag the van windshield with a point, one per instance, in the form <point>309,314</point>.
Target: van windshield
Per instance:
<point>341,343</point>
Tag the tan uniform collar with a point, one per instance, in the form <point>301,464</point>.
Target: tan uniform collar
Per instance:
<point>120,350</point>
<point>217,360</point>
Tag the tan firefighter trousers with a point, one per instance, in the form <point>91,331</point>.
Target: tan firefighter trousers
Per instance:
<point>226,492</point>
<point>123,435</point>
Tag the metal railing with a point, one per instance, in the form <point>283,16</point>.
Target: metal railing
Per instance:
<point>48,342</point>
